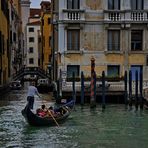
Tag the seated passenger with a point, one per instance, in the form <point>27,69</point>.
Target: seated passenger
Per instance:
<point>42,112</point>
<point>51,111</point>
<point>43,107</point>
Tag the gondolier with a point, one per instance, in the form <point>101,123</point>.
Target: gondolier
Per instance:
<point>32,91</point>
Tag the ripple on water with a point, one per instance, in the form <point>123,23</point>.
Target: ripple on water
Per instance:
<point>85,128</point>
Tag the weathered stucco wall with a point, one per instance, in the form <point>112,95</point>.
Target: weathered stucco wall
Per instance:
<point>94,4</point>
<point>137,59</point>
<point>93,38</point>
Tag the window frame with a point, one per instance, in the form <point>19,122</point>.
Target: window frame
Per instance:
<point>31,39</point>
<point>113,37</point>
<point>137,4</point>
<point>70,70</point>
<point>113,75</point>
<point>31,29</point>
<point>73,39</point>
<point>31,60</point>
<point>73,4</point>
<point>31,49</point>
<point>135,42</point>
<point>113,5</point>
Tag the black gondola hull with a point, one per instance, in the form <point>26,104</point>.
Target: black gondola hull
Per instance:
<point>35,120</point>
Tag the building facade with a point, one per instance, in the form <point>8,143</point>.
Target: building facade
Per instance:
<point>4,41</point>
<point>46,36</point>
<point>16,37</point>
<point>25,11</point>
<point>33,32</point>
<point>113,32</point>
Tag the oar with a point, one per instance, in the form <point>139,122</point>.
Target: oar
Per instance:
<point>53,118</point>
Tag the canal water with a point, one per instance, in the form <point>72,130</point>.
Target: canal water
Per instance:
<point>115,127</point>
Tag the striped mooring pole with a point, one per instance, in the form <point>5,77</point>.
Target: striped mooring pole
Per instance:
<point>92,90</point>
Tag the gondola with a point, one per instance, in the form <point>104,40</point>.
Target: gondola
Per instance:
<point>35,120</point>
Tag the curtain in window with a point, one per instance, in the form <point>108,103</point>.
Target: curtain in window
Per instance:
<point>113,71</point>
<point>137,4</point>
<point>71,69</point>
<point>69,4</point>
<point>136,40</point>
<point>73,39</point>
<point>73,4</point>
<point>113,40</point>
<point>114,4</point>
<point>76,4</point>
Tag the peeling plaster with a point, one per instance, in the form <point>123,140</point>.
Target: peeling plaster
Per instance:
<point>94,4</point>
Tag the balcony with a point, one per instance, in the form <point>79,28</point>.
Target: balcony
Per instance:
<point>73,15</point>
<point>127,16</point>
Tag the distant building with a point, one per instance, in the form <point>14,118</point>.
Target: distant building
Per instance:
<point>33,29</point>
<point>33,39</point>
<point>25,13</point>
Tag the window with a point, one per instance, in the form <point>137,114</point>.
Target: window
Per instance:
<point>31,29</point>
<point>30,49</point>
<point>73,39</point>
<point>31,60</point>
<point>113,40</point>
<point>14,36</point>
<point>113,70</point>
<point>71,69</point>
<point>49,21</point>
<point>137,4</point>
<point>114,4</point>
<point>10,37</point>
<point>136,40</point>
<point>39,39</point>
<point>135,68</point>
<point>49,41</point>
<point>42,21</point>
<point>31,39</point>
<point>73,4</point>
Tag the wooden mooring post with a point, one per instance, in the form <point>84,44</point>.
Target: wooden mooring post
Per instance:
<point>92,87</point>
<point>82,88</point>
<point>130,89</point>
<point>73,87</point>
<point>103,90</point>
<point>136,90</point>
<point>125,89</point>
<point>141,90</point>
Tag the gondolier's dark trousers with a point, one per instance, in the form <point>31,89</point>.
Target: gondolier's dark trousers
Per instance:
<point>30,100</point>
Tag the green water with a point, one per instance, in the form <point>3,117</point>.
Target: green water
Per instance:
<point>85,128</point>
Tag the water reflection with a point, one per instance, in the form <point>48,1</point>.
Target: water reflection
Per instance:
<point>115,127</point>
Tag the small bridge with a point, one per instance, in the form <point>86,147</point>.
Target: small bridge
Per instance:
<point>30,71</point>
